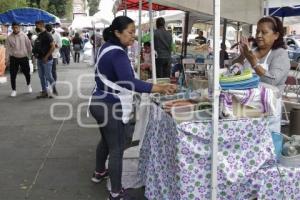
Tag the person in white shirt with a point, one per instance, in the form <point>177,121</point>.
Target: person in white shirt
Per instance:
<point>58,44</point>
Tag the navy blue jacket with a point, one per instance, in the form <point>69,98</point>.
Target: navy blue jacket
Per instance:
<point>116,66</point>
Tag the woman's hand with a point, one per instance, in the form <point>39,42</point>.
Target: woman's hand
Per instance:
<point>164,88</point>
<point>246,51</point>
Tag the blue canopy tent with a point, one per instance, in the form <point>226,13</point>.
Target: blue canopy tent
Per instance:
<point>287,11</point>
<point>27,16</point>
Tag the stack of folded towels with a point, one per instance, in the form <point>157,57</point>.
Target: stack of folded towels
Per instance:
<point>238,78</point>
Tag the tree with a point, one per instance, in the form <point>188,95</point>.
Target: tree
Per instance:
<point>93,5</point>
<point>11,4</point>
<point>34,3</point>
<point>52,9</point>
<point>44,4</point>
<point>60,8</point>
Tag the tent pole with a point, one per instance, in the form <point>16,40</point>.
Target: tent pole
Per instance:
<point>267,7</point>
<point>125,11</point>
<point>185,34</point>
<point>94,48</point>
<point>152,43</point>
<point>223,41</point>
<point>224,31</point>
<point>215,96</point>
<point>238,33</point>
<point>139,39</point>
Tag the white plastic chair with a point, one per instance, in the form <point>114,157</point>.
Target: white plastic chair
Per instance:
<point>292,87</point>
<point>188,63</point>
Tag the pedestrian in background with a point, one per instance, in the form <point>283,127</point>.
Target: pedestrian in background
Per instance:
<point>163,47</point>
<point>58,45</point>
<point>77,47</point>
<point>96,41</point>
<point>18,49</point>
<point>65,49</point>
<point>200,38</point>
<point>43,49</point>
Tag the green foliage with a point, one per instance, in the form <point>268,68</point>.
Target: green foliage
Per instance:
<point>93,5</point>
<point>11,4</point>
<point>34,3</point>
<point>44,4</point>
<point>69,9</point>
<point>60,8</point>
<point>52,9</point>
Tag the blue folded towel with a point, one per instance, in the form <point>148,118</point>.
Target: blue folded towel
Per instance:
<point>241,85</point>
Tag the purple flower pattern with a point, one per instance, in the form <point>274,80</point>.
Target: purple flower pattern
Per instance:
<point>175,161</point>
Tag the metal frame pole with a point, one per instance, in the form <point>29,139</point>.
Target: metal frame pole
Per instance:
<point>139,39</point>
<point>216,94</point>
<point>152,43</point>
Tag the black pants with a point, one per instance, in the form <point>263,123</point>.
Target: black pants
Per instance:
<point>163,67</point>
<point>14,69</point>
<point>65,51</point>
<point>77,56</point>
<point>114,136</point>
<point>54,74</point>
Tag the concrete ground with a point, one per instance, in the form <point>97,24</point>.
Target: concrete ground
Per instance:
<point>43,158</point>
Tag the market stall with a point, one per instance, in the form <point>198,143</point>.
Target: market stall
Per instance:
<point>186,146</point>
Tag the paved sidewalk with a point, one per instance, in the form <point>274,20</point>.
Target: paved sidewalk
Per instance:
<point>42,158</point>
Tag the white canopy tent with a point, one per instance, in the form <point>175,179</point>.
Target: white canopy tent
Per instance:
<point>81,22</point>
<point>102,17</point>
<point>281,3</point>
<point>284,3</point>
<point>96,21</point>
<point>242,10</point>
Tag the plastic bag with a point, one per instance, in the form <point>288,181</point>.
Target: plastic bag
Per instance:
<point>31,66</point>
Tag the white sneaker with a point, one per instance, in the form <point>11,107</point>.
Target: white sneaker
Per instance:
<point>13,93</point>
<point>29,89</point>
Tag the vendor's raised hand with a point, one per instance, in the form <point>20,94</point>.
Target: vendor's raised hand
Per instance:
<point>246,51</point>
<point>244,45</point>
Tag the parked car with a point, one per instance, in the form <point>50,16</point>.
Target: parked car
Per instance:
<point>293,44</point>
<point>190,39</point>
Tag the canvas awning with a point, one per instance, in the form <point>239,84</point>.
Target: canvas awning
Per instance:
<point>287,11</point>
<point>27,16</point>
<point>241,11</point>
<point>134,5</point>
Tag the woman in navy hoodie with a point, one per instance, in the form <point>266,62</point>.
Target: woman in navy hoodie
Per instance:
<point>112,101</point>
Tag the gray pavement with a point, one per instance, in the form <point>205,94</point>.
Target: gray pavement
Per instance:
<point>43,158</point>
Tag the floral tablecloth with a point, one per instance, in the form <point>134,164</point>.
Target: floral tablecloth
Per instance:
<point>175,161</point>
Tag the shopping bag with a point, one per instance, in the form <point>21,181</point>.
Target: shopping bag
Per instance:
<point>31,66</point>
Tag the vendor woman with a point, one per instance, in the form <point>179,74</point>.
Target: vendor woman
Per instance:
<point>269,59</point>
<point>115,81</point>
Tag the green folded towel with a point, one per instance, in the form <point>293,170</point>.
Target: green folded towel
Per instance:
<point>246,74</point>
